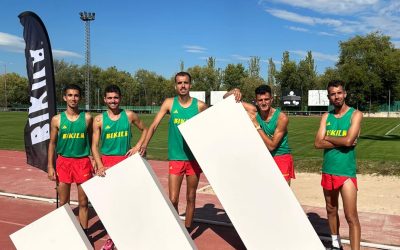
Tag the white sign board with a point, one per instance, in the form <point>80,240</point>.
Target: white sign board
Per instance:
<point>246,180</point>
<point>200,95</point>
<point>58,229</point>
<point>134,209</point>
<point>318,98</point>
<point>216,96</point>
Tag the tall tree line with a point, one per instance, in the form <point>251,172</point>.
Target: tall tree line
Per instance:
<point>369,65</point>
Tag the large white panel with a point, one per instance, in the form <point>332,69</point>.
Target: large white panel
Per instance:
<point>246,180</point>
<point>200,95</point>
<point>216,96</point>
<point>134,209</point>
<point>56,230</point>
<point>318,98</point>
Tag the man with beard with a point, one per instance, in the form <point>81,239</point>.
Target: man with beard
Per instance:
<point>70,136</point>
<point>181,160</point>
<point>271,125</point>
<point>337,135</point>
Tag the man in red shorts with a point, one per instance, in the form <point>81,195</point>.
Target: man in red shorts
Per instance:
<point>114,128</point>
<point>181,160</point>
<point>70,136</point>
<point>271,124</point>
<point>337,135</point>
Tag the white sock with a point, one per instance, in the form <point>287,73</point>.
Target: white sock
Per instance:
<point>336,241</point>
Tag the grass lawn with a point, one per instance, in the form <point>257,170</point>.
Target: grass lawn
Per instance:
<point>377,150</point>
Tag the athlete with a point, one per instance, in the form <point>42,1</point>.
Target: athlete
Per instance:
<point>70,136</point>
<point>181,160</point>
<point>113,127</point>
<point>337,135</point>
<point>271,125</point>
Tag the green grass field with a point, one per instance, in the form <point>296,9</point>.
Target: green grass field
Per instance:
<point>377,150</point>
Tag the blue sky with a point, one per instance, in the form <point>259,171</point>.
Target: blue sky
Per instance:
<point>157,35</point>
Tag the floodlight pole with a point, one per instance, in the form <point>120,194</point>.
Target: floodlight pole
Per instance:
<point>87,17</point>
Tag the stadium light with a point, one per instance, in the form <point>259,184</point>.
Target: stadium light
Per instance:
<point>86,17</point>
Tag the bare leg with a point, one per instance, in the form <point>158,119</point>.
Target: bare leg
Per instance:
<point>64,192</point>
<point>174,186</point>
<point>192,181</point>
<point>332,207</point>
<point>349,196</point>
<point>83,207</point>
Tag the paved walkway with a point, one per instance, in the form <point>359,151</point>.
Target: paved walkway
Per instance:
<point>19,178</point>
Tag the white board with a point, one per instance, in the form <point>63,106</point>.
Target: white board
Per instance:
<point>318,98</point>
<point>134,209</point>
<point>58,229</point>
<point>246,180</point>
<point>216,96</point>
<point>200,95</point>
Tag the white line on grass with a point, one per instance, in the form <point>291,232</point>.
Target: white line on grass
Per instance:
<point>390,131</point>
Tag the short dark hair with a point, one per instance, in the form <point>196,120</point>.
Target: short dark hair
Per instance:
<point>335,83</point>
<point>112,89</point>
<point>183,73</point>
<point>72,86</point>
<point>262,89</point>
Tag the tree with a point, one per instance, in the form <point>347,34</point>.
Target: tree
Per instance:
<point>253,79</point>
<point>307,77</point>
<point>370,67</point>
<point>17,90</point>
<point>206,78</point>
<point>151,87</point>
<point>271,73</point>
<point>254,66</point>
<point>329,75</point>
<point>233,76</point>
<point>288,78</point>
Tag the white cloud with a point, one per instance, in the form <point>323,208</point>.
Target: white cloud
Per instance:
<point>291,16</point>
<point>323,33</point>
<point>372,15</point>
<point>297,29</point>
<point>297,18</point>
<point>316,55</point>
<point>64,53</point>
<point>194,49</point>
<point>11,43</point>
<point>339,7</point>
<point>240,57</point>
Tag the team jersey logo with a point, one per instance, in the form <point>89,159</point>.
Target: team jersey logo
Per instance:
<point>64,127</point>
<point>176,111</point>
<point>108,127</point>
<point>328,124</point>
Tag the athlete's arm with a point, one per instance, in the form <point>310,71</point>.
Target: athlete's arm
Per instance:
<point>320,142</point>
<point>202,106</point>
<point>134,119</point>
<point>236,92</point>
<point>97,124</point>
<point>165,107</point>
<point>281,129</point>
<point>54,127</point>
<point>352,133</point>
